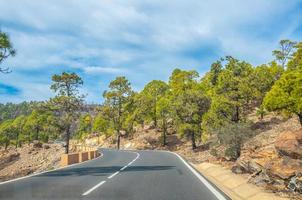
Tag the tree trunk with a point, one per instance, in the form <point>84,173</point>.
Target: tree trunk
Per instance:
<point>119,124</point>
<point>261,116</point>
<point>67,140</point>
<point>17,140</point>
<point>193,140</point>
<point>142,124</point>
<point>155,117</point>
<point>118,138</point>
<point>28,138</point>
<point>164,134</point>
<point>164,137</point>
<point>300,118</point>
<point>37,133</point>
<point>236,115</point>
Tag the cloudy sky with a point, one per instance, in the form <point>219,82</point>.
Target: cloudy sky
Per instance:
<point>142,40</point>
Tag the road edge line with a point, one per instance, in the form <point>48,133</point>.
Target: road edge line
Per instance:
<point>201,178</point>
<point>211,186</point>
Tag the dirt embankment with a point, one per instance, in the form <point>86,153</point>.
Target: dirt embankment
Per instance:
<point>28,159</point>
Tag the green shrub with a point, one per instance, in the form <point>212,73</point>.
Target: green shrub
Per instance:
<point>233,136</point>
<point>213,152</point>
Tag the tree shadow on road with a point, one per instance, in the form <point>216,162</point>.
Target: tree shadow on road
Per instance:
<point>101,171</point>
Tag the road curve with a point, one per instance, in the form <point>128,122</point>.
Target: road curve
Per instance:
<point>118,175</point>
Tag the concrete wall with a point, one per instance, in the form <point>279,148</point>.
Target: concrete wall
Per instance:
<point>83,156</point>
<point>91,154</point>
<point>72,158</point>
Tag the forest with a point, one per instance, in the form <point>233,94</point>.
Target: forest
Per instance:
<point>195,107</point>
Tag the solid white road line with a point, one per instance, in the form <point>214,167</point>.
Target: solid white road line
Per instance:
<point>95,187</point>
<point>112,175</point>
<point>202,179</point>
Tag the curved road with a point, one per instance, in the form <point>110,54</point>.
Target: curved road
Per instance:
<point>117,175</point>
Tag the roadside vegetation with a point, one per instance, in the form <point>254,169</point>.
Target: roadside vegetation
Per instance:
<point>215,105</point>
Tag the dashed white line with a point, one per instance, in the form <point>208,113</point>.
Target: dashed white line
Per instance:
<point>112,175</point>
<point>123,168</point>
<point>93,188</point>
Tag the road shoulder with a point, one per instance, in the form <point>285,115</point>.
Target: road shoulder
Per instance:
<point>235,186</point>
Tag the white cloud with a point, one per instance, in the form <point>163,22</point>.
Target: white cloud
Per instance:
<point>99,70</point>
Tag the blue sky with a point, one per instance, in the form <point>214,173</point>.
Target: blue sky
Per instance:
<point>142,40</point>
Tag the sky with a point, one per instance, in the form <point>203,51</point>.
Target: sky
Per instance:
<point>142,40</point>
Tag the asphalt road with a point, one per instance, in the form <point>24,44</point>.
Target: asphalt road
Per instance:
<point>126,175</point>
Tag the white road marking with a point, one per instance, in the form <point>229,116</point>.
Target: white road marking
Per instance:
<point>112,175</point>
<point>95,187</point>
<point>202,179</point>
<point>123,168</point>
<point>130,163</point>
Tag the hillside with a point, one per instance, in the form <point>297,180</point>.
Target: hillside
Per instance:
<point>28,159</point>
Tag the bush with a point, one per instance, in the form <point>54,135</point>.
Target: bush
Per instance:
<point>233,136</point>
<point>261,112</point>
<point>233,151</point>
<point>213,152</point>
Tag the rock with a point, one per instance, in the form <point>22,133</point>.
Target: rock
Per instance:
<point>271,158</point>
<point>295,184</point>
<point>284,167</point>
<point>254,166</point>
<point>8,158</point>
<point>290,144</point>
<point>238,169</point>
<point>248,165</point>
<point>28,171</point>
<point>128,145</point>
<point>279,184</point>
<point>13,156</point>
<point>149,126</point>
<point>204,147</point>
<point>46,146</point>
<point>36,144</point>
<point>261,180</point>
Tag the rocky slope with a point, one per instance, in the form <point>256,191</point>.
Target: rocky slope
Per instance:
<point>274,156</point>
<point>29,159</point>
